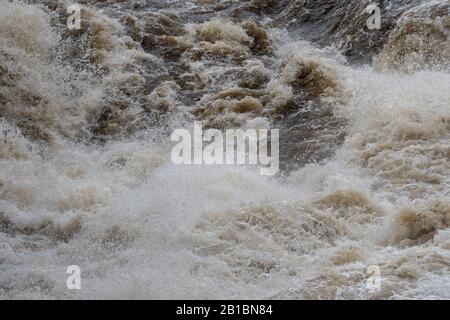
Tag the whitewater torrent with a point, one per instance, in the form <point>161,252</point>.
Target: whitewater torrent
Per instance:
<point>86,176</point>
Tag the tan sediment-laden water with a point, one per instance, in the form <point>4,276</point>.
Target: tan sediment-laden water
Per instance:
<point>87,179</point>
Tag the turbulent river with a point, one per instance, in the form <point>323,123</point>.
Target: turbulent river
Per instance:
<point>86,176</point>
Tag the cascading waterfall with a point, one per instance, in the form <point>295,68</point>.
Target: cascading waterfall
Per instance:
<point>86,176</point>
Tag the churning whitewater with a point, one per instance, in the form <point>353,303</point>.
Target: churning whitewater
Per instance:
<point>86,176</point>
